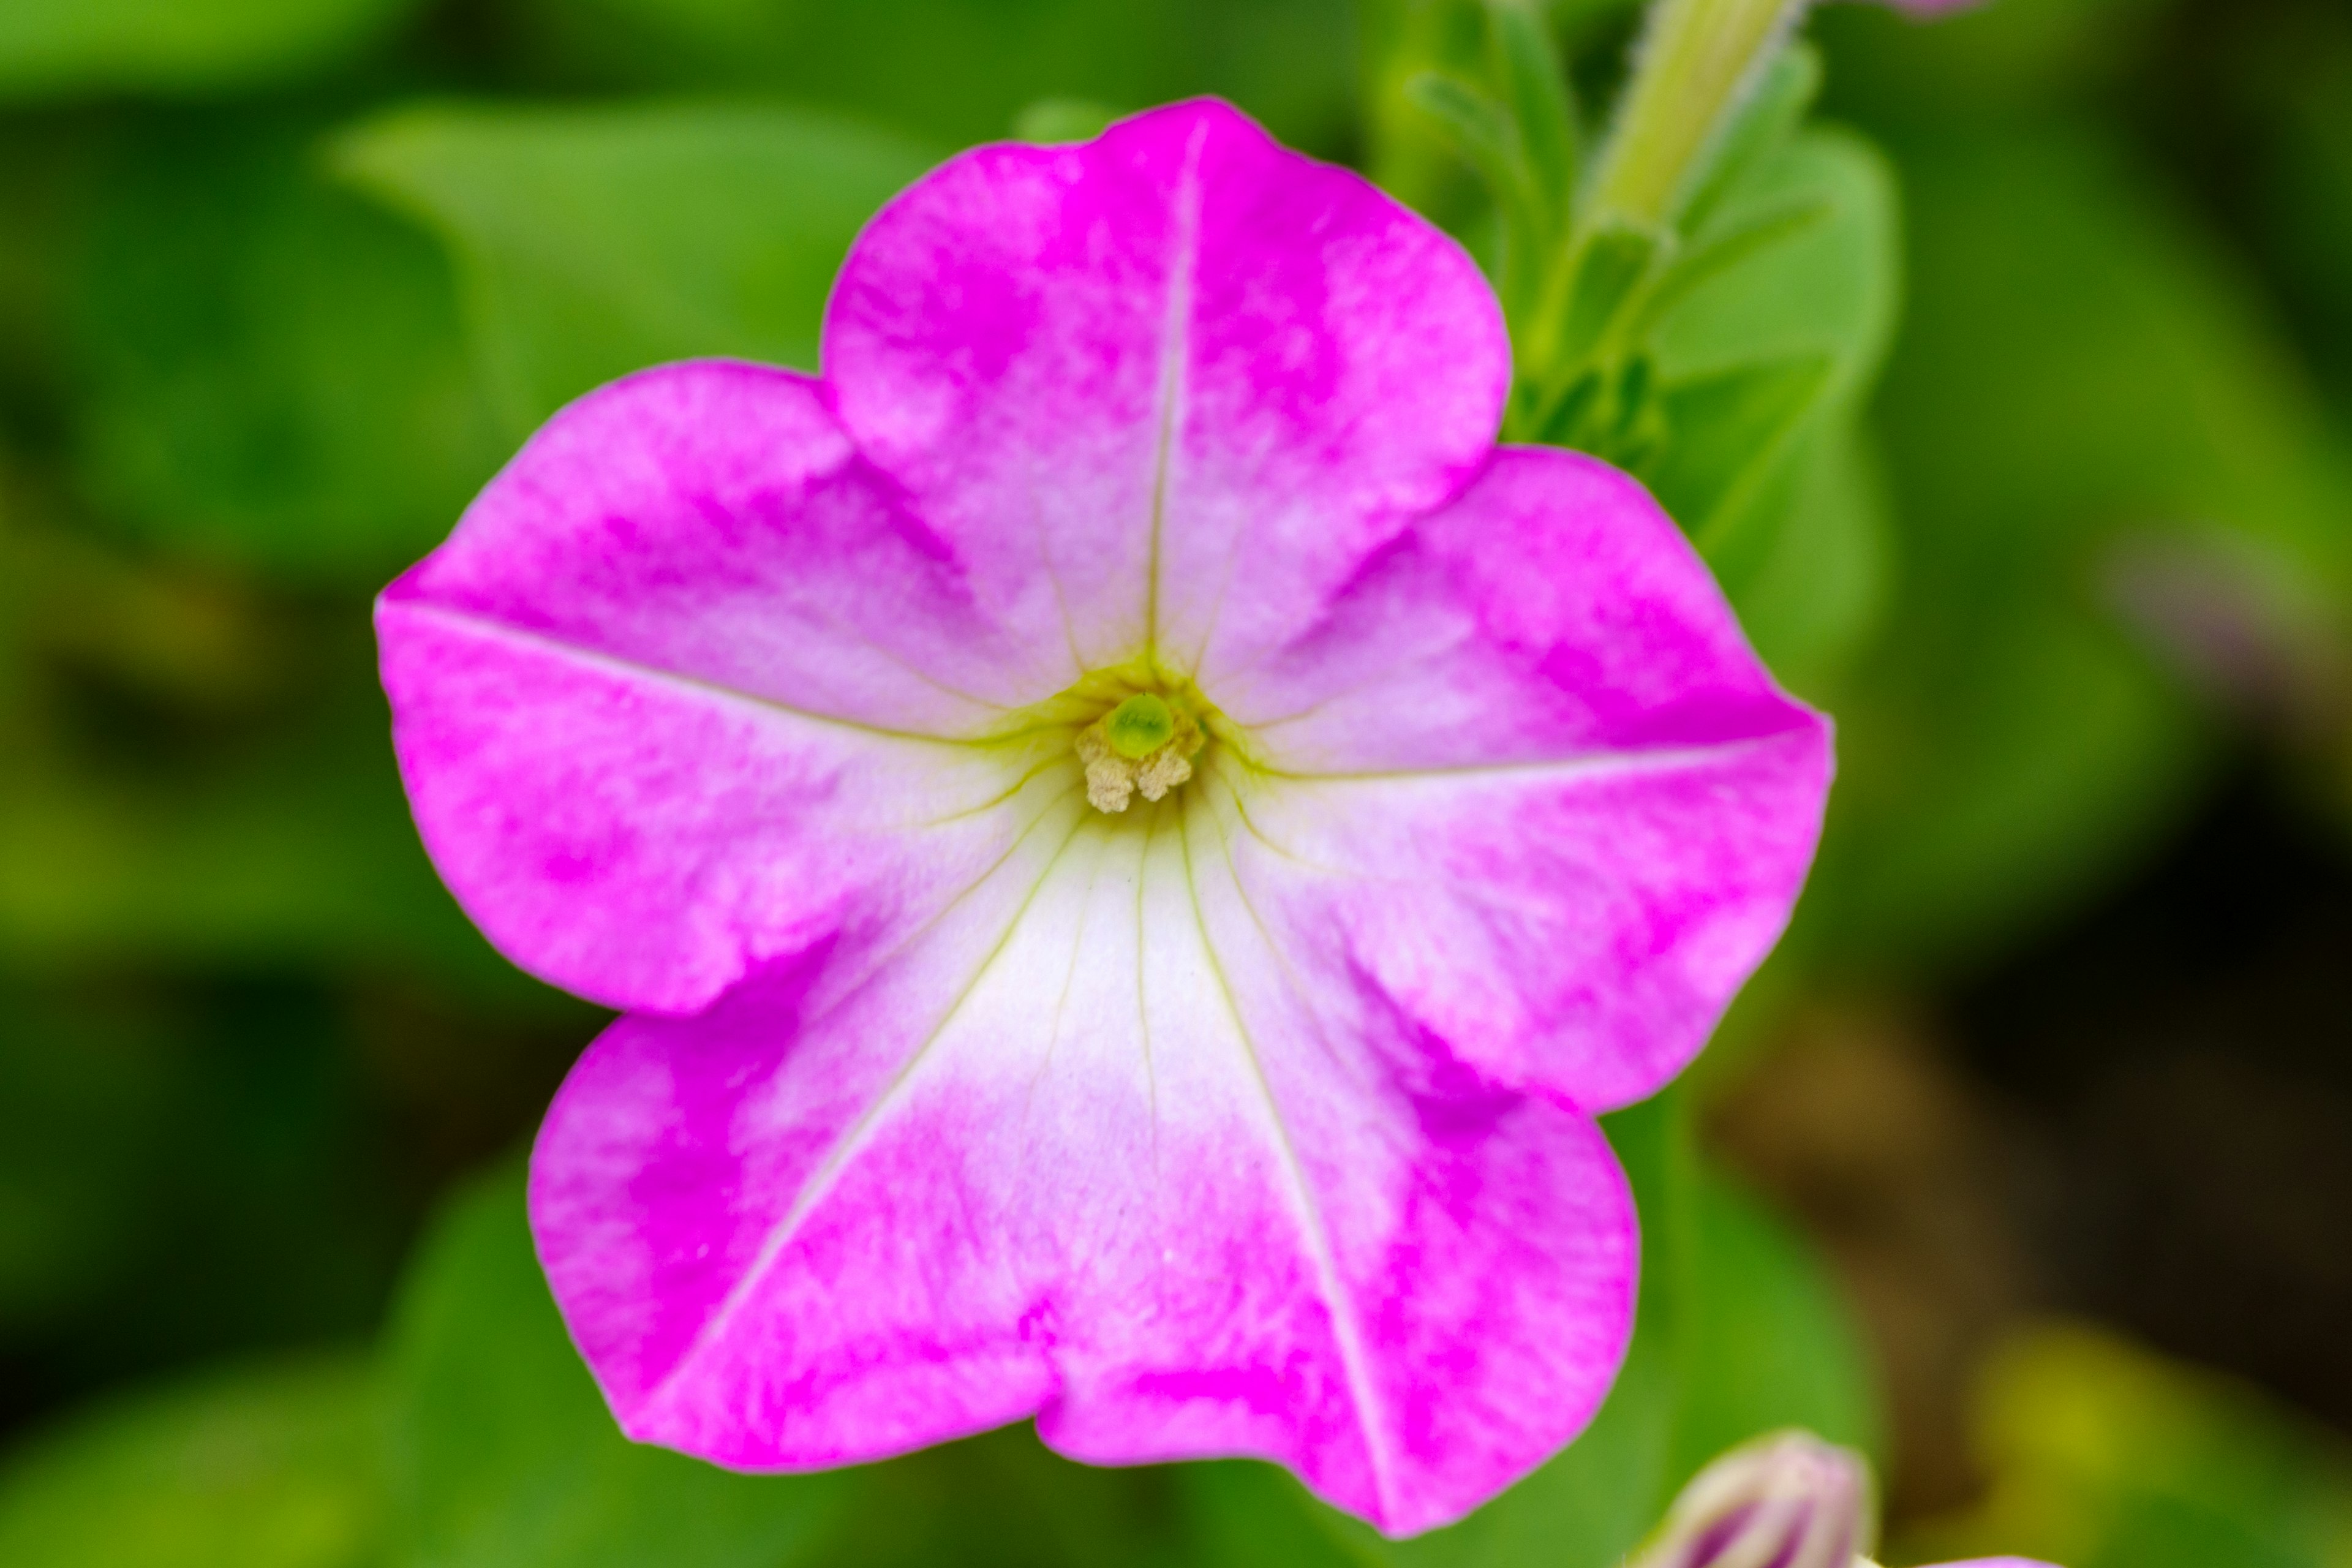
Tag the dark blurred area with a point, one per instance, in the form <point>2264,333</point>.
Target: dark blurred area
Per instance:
<point>2065,1027</point>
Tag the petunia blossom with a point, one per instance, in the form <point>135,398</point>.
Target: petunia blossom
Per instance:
<point>1787,1499</point>
<point>1132,839</point>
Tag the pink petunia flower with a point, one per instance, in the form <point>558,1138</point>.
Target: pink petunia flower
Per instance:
<point>1783,1500</point>
<point>1133,839</point>
<point>1787,1500</point>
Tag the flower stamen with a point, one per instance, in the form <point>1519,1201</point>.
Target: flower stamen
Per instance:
<point>1145,743</point>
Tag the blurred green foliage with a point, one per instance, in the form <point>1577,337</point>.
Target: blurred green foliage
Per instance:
<point>271,1468</point>
<point>2105,1456</point>
<point>282,282</point>
<point>598,242</point>
<point>274,371</point>
<point>956,70</point>
<point>49,49</point>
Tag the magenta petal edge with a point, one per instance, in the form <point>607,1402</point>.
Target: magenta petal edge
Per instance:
<point>1253,1117</point>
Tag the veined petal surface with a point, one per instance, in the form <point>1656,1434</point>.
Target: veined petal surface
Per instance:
<point>1523,787</point>
<point>1254,1121</point>
<point>1084,1150</point>
<point>1164,389</point>
<point>672,701</point>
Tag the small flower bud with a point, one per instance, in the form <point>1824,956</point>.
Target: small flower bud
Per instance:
<point>1788,1501</point>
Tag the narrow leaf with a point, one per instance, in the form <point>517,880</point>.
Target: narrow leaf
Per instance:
<point>1610,270</point>
<point>1480,130</point>
<point>1485,135</point>
<point>1536,91</point>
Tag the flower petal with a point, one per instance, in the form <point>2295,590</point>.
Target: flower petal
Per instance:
<point>1526,787</point>
<point>1075,1152</point>
<point>1161,390</point>
<point>667,702</point>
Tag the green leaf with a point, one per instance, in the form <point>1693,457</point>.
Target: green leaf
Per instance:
<point>503,1451</point>
<point>1713,365</point>
<point>1718,252</point>
<point>1768,334</point>
<point>1248,1515</point>
<point>274,1466</point>
<point>1725,428</point>
<point>1534,89</point>
<point>1772,1344</point>
<point>1403,149</point>
<point>52,48</point>
<point>1062,120</point>
<point>1759,129</point>
<point>595,242</point>
<point>1827,287</point>
<point>277,374</point>
<point>1484,134</point>
<point>1810,568</point>
<point>1612,264</point>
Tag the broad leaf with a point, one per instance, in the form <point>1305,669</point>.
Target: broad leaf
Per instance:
<point>1823,291</point>
<point>1769,1341</point>
<point>1721,423</point>
<point>503,1452</point>
<point>275,372</point>
<point>595,242</point>
<point>1811,569</point>
<point>502,1449</point>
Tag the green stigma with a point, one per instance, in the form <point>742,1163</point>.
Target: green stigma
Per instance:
<point>1139,726</point>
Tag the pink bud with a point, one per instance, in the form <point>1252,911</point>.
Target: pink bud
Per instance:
<point>1788,1501</point>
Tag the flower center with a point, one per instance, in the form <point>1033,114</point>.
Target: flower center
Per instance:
<point>1139,726</point>
<point>1145,743</point>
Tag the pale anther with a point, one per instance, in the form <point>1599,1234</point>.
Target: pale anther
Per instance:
<point>1145,743</point>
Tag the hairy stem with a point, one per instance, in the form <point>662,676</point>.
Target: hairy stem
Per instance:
<point>1697,56</point>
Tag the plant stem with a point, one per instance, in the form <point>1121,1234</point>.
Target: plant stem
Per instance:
<point>1696,56</point>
